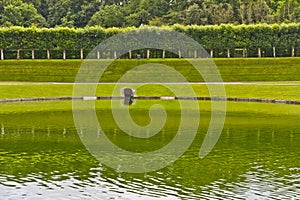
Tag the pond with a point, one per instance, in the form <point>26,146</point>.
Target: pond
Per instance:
<point>256,157</point>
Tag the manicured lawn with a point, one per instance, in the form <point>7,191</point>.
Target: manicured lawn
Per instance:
<point>253,90</point>
<point>251,69</point>
<point>262,78</point>
<point>271,90</point>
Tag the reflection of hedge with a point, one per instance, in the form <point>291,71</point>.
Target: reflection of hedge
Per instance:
<point>222,37</point>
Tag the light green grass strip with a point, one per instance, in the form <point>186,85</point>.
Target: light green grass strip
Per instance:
<point>269,90</point>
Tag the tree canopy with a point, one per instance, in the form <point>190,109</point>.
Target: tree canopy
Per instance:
<point>124,13</point>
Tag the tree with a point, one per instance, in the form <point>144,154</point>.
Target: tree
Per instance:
<point>217,13</point>
<point>194,15</point>
<point>261,12</point>
<point>120,13</point>
<point>22,14</point>
<point>139,12</point>
<point>179,5</point>
<point>56,11</point>
<point>157,21</point>
<point>86,13</point>
<point>288,10</point>
<point>108,16</point>
<point>71,13</point>
<point>174,17</point>
<point>156,8</point>
<point>142,17</point>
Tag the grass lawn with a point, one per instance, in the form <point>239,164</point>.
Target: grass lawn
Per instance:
<point>232,70</point>
<point>270,90</point>
<point>261,78</point>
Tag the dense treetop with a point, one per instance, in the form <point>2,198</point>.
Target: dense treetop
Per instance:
<point>124,13</point>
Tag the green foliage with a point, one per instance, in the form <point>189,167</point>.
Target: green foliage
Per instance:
<point>21,14</point>
<point>122,13</point>
<point>108,16</point>
<point>210,37</point>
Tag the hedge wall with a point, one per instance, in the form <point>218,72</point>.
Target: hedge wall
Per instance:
<point>219,38</point>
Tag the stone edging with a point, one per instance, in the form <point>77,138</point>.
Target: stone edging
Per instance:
<point>233,99</point>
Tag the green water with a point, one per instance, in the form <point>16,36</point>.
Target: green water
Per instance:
<point>256,157</point>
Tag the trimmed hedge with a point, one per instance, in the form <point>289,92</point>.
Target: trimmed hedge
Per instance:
<point>283,37</point>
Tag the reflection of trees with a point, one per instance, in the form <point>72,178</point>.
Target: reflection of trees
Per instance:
<point>50,152</point>
<point>56,153</point>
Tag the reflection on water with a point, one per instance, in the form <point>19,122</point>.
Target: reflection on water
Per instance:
<point>257,157</point>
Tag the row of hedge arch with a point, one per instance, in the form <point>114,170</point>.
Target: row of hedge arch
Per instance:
<point>283,37</point>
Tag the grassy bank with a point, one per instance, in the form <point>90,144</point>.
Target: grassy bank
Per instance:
<point>268,90</point>
<point>279,79</point>
<point>252,69</point>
